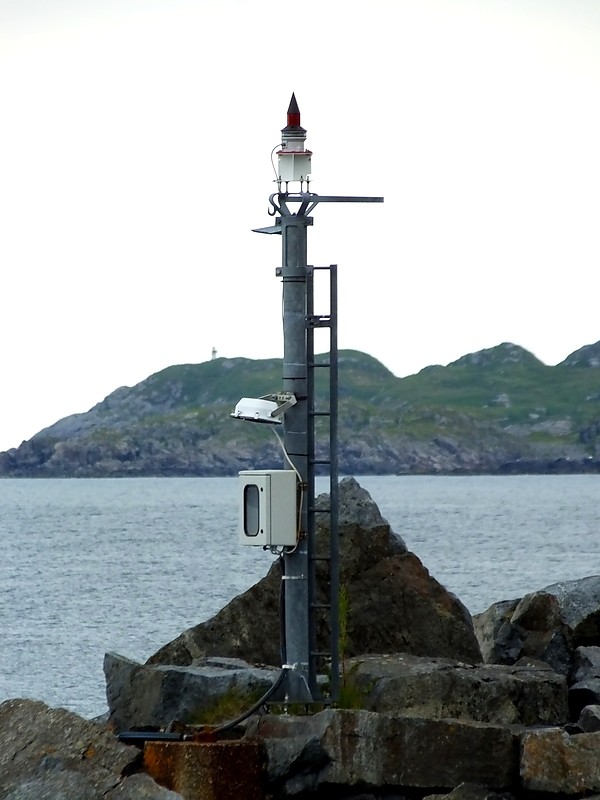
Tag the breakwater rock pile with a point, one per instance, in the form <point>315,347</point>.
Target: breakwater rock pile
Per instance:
<point>53,754</point>
<point>436,703</point>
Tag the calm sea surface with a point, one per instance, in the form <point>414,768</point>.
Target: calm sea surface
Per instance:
<point>126,565</point>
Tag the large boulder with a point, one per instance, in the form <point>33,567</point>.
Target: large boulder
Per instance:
<point>50,753</point>
<point>547,625</point>
<point>393,604</point>
<point>554,762</point>
<point>140,695</point>
<point>441,688</point>
<point>584,680</point>
<point>216,689</point>
<point>365,750</point>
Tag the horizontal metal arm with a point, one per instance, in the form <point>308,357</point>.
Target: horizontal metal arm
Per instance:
<point>308,200</point>
<point>333,198</point>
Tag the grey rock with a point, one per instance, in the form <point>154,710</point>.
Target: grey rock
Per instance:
<point>495,635</point>
<point>64,785</point>
<point>394,605</point>
<point>44,750</point>
<point>139,695</point>
<point>589,719</point>
<point>368,750</point>
<point>587,356</point>
<point>365,796</point>
<point>548,625</point>
<point>583,693</point>
<point>68,785</point>
<point>471,791</point>
<point>141,787</point>
<point>586,664</point>
<point>294,763</point>
<point>579,603</point>
<point>553,762</point>
<point>357,508</point>
<point>442,688</point>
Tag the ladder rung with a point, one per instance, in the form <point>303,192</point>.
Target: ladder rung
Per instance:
<point>319,461</point>
<point>320,558</point>
<point>320,413</point>
<point>320,605</point>
<point>320,654</point>
<point>325,364</point>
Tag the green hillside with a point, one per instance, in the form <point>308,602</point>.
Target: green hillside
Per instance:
<point>496,410</point>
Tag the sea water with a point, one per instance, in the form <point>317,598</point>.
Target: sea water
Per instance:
<point>89,566</point>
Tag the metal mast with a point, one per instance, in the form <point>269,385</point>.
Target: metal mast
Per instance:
<point>292,211</point>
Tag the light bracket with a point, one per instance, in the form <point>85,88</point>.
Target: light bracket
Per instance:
<point>268,409</point>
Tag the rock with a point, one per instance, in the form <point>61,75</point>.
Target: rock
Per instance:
<point>441,688</point>
<point>74,786</point>
<point>531,627</point>
<point>552,761</point>
<point>589,719</point>
<point>50,753</point>
<point>155,696</point>
<point>586,664</point>
<point>53,784</point>
<point>397,606</point>
<point>548,625</point>
<point>587,356</point>
<point>141,787</point>
<point>294,763</point>
<point>470,791</point>
<point>394,605</point>
<point>366,750</point>
<point>582,694</point>
<point>584,679</point>
<point>494,633</point>
<point>356,507</point>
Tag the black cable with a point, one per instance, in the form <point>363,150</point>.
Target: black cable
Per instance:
<point>130,737</point>
<point>253,709</point>
<point>283,654</point>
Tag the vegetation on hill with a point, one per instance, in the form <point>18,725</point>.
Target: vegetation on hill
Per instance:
<point>497,410</point>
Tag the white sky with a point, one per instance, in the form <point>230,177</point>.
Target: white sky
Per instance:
<point>135,141</point>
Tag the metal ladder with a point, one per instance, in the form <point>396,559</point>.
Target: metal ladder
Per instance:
<point>320,660</point>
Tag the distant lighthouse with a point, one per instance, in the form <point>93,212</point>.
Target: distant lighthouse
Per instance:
<point>213,354</point>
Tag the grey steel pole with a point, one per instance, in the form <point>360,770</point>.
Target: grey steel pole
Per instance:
<point>294,275</point>
<point>294,167</point>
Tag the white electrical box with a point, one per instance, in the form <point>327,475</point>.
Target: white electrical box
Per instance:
<point>268,507</point>
<point>294,166</point>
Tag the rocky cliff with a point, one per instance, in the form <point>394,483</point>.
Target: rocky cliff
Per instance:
<point>499,410</point>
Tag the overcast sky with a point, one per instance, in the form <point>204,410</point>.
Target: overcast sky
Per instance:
<point>135,143</point>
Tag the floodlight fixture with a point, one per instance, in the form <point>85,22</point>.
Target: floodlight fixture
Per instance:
<point>267,409</point>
